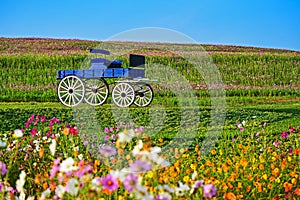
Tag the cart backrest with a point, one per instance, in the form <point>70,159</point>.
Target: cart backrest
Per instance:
<point>102,51</point>
<point>136,60</point>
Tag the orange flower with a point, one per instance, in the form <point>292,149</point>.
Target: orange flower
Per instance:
<point>297,192</point>
<point>287,186</point>
<point>65,131</point>
<point>244,162</point>
<point>230,196</point>
<point>45,186</point>
<point>275,172</point>
<point>41,153</point>
<point>106,191</point>
<point>230,185</point>
<point>240,185</point>
<point>226,167</point>
<point>213,152</point>
<point>261,167</point>
<point>297,151</point>
<point>248,189</point>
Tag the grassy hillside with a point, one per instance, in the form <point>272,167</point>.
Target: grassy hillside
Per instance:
<point>27,66</point>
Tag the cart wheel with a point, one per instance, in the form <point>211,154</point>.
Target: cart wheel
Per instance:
<point>70,91</point>
<point>143,94</point>
<point>123,95</point>
<point>96,91</point>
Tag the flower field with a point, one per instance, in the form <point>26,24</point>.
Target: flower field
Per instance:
<point>58,164</point>
<point>46,154</point>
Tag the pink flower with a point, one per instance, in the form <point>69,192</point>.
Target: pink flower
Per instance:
<point>106,130</point>
<point>209,190</point>
<point>110,183</point>
<point>284,134</point>
<point>130,182</point>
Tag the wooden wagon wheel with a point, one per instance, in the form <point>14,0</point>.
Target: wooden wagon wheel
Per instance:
<point>143,94</point>
<point>123,95</point>
<point>96,92</point>
<point>71,91</point>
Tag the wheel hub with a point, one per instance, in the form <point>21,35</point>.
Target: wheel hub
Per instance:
<point>123,95</point>
<point>71,91</point>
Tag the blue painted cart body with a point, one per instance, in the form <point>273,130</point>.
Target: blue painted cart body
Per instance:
<point>89,85</point>
<point>102,73</point>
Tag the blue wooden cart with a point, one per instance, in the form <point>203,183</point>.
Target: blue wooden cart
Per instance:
<point>89,85</point>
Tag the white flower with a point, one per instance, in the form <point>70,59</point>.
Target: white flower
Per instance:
<point>30,198</point>
<point>2,144</point>
<point>76,148</point>
<point>20,182</point>
<point>96,182</point>
<point>194,175</point>
<point>67,165</point>
<point>181,189</point>
<point>137,148</point>
<point>44,138</point>
<point>60,191</point>
<point>45,194</point>
<point>72,186</point>
<point>22,196</point>
<point>119,174</point>
<point>243,122</point>
<point>80,156</point>
<point>52,147</point>
<point>18,133</point>
<point>126,135</point>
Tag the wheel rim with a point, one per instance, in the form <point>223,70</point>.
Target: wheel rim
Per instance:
<point>143,95</point>
<point>71,91</point>
<point>123,95</point>
<point>96,92</point>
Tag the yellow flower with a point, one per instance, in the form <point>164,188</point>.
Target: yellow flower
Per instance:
<point>273,159</point>
<point>193,166</point>
<point>240,185</point>
<point>294,181</point>
<point>160,140</point>
<point>119,197</point>
<point>274,154</point>
<point>182,150</point>
<point>289,158</point>
<point>219,169</point>
<point>150,174</point>
<point>277,180</point>
<point>186,178</point>
<point>265,176</point>
<point>221,152</point>
<point>261,159</point>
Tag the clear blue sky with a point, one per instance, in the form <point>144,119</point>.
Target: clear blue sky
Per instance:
<point>263,23</point>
